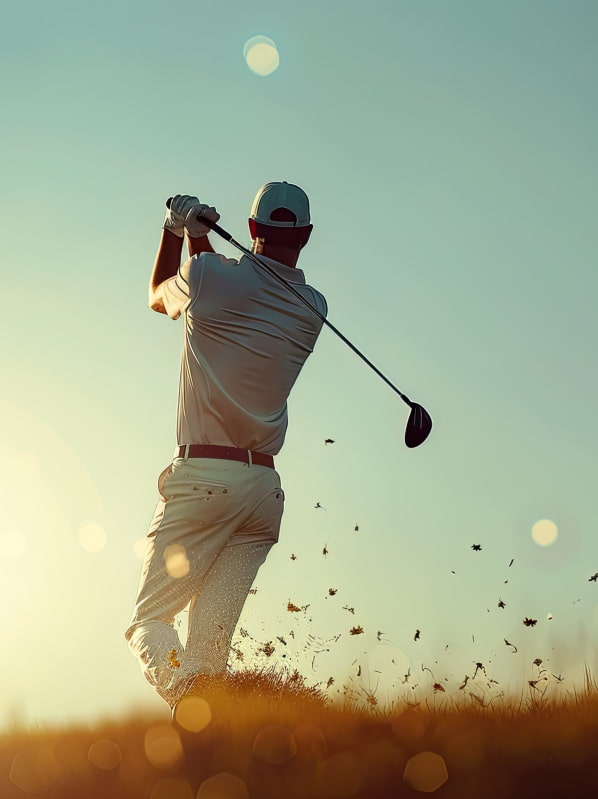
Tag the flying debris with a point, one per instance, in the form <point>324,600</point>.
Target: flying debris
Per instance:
<point>511,563</point>
<point>253,591</point>
<point>379,635</point>
<point>530,622</point>
<point>351,610</point>
<point>267,649</point>
<point>332,591</point>
<point>317,505</point>
<point>593,578</point>
<point>478,667</point>
<point>439,687</point>
<point>330,682</point>
<point>293,557</point>
<point>508,643</point>
<point>417,635</point>
<point>501,604</point>
<point>533,683</point>
<point>476,547</point>
<point>356,527</point>
<point>372,699</point>
<point>293,608</point>
<point>538,662</point>
<point>329,441</point>
<point>325,551</point>
<point>356,630</point>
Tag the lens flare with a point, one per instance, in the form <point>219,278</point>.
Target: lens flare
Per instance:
<point>426,772</point>
<point>261,55</point>
<point>274,745</point>
<point>193,713</point>
<point>177,562</point>
<point>92,537</point>
<point>163,746</point>
<point>105,755</point>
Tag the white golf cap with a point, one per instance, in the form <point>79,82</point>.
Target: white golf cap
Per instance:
<point>281,195</point>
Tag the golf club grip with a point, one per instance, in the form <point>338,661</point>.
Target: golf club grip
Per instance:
<point>212,225</point>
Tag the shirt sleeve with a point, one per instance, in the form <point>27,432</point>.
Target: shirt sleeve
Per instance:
<point>319,301</point>
<point>176,293</point>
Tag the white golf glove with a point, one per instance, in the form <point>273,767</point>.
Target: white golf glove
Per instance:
<point>196,228</point>
<point>174,221</point>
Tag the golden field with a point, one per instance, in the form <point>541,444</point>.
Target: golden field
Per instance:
<point>264,734</point>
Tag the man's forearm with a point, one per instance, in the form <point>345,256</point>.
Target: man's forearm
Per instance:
<point>200,244</point>
<point>168,259</point>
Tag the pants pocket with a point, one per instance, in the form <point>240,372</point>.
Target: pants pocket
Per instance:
<point>264,523</point>
<point>162,481</point>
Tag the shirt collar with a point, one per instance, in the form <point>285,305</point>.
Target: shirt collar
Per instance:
<point>289,273</point>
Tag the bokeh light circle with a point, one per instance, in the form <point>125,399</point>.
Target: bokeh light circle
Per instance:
<point>545,532</point>
<point>92,536</point>
<point>261,55</point>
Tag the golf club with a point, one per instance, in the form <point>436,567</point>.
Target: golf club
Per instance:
<point>419,423</point>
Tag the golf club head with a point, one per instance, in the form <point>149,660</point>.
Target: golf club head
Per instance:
<point>418,427</point>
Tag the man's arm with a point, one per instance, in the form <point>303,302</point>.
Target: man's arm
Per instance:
<point>182,216</point>
<point>201,244</point>
<point>168,260</point>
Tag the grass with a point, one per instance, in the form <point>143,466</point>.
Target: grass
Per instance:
<point>264,734</point>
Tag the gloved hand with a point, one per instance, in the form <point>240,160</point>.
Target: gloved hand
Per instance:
<point>195,228</point>
<point>174,221</point>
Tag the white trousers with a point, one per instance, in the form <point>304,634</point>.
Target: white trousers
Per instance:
<point>214,524</point>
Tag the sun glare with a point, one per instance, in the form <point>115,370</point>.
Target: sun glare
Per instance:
<point>545,532</point>
<point>13,544</point>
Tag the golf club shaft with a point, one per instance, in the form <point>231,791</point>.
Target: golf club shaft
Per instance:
<point>227,237</point>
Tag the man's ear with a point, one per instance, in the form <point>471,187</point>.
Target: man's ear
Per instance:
<point>306,236</point>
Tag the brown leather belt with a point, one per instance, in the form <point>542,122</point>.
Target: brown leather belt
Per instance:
<point>225,453</point>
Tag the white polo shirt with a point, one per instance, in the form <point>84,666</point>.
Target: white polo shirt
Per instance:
<point>246,338</point>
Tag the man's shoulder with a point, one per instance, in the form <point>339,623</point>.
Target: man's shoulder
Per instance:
<point>212,260</point>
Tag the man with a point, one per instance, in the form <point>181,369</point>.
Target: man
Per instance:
<point>246,339</point>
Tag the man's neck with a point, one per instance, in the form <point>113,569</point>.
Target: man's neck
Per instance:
<point>281,254</point>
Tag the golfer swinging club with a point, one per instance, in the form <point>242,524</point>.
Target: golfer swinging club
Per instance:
<point>221,502</point>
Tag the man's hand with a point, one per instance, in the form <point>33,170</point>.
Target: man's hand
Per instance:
<point>174,221</point>
<point>196,228</point>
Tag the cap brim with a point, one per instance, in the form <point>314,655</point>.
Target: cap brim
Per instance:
<point>418,427</point>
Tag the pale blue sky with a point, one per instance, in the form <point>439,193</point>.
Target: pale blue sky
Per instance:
<point>449,152</point>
